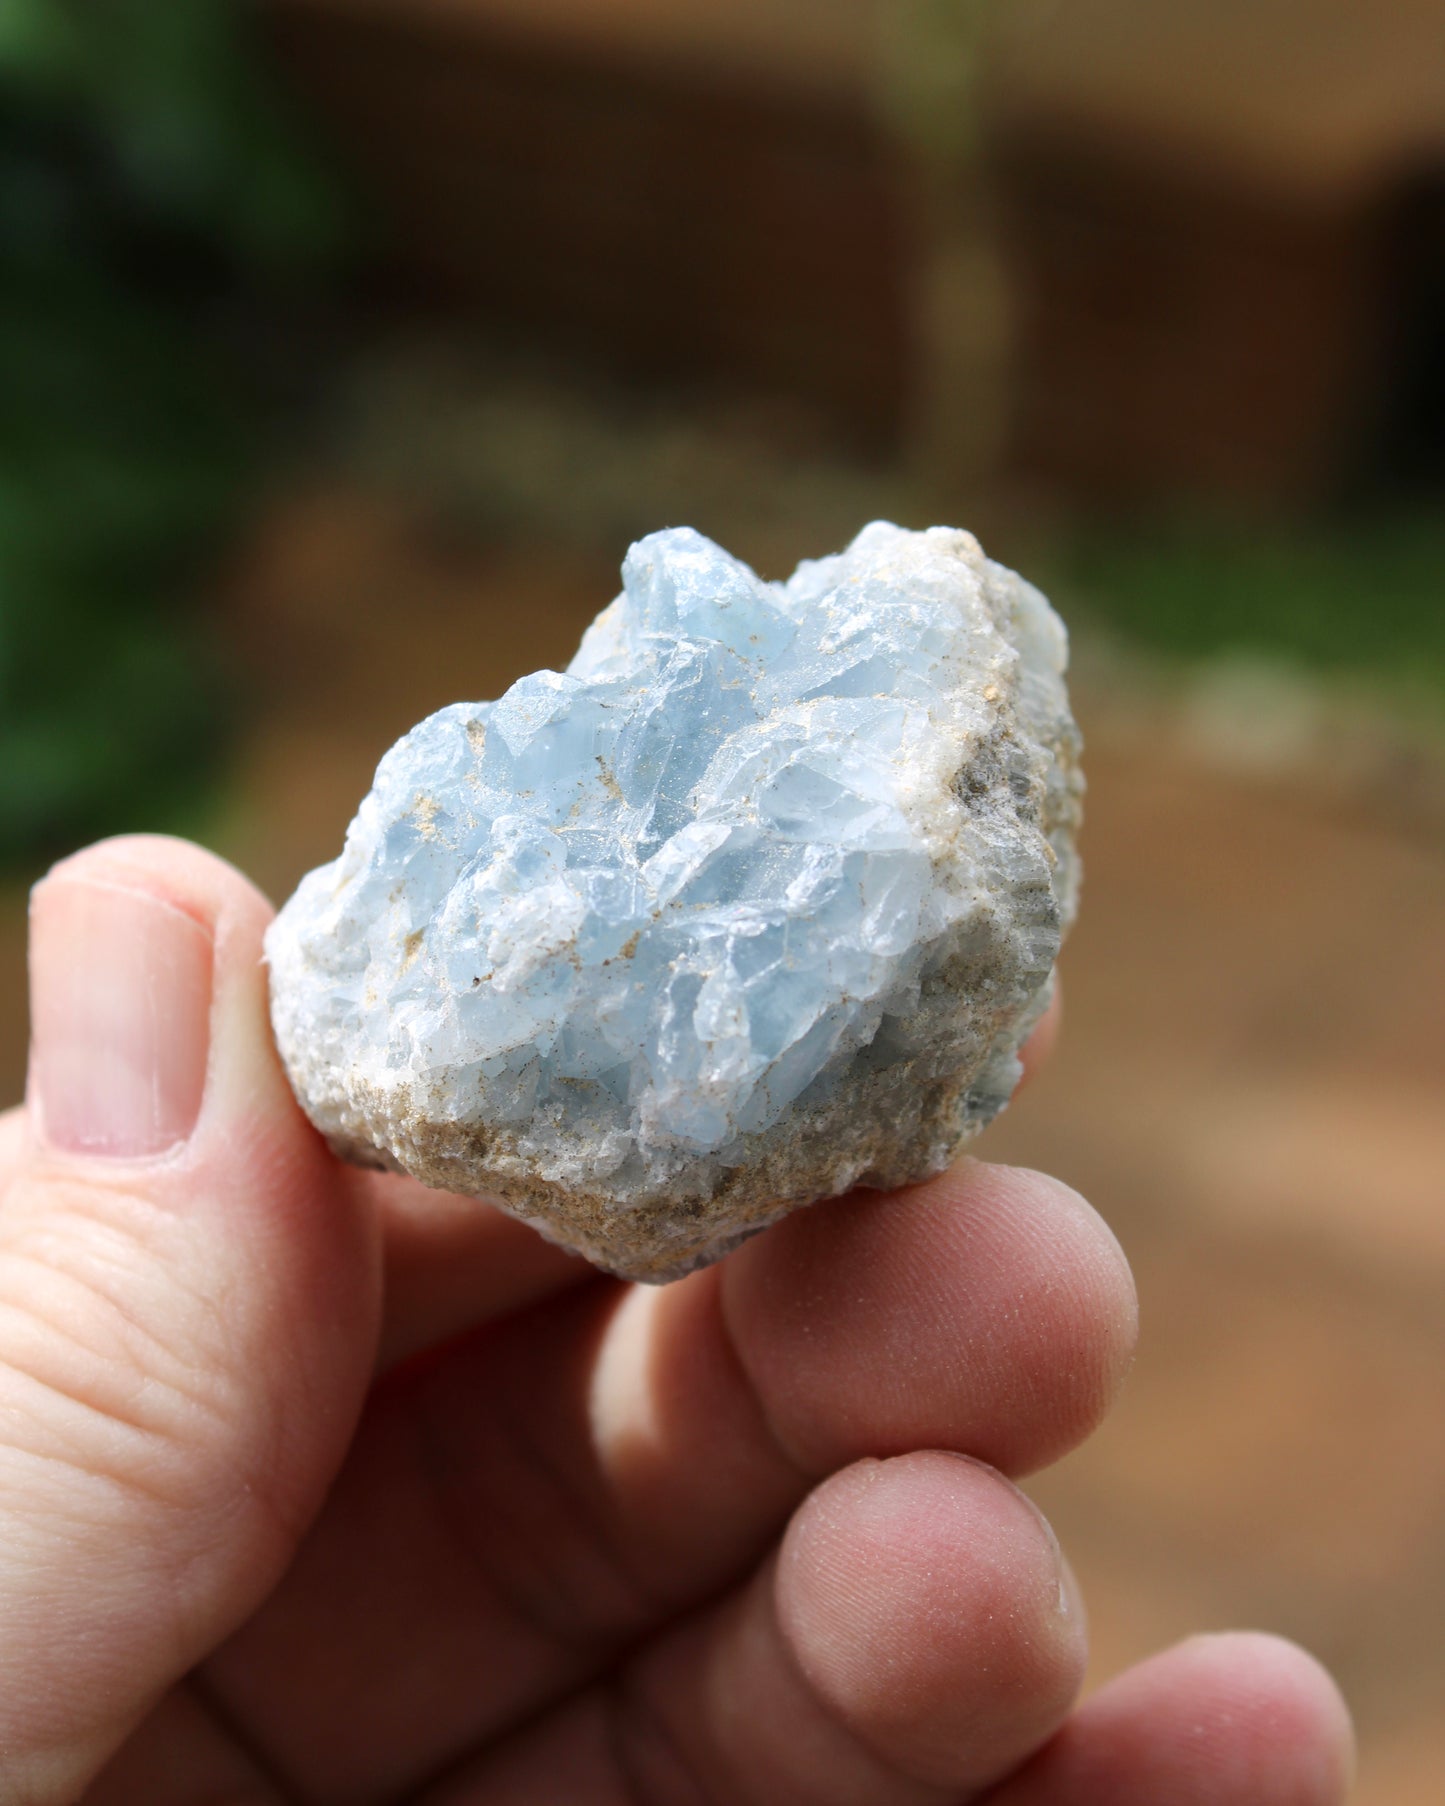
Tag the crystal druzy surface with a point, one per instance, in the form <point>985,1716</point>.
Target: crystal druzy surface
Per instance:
<point>754,902</point>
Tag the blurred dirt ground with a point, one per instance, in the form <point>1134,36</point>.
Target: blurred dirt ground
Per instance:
<point>1249,1088</point>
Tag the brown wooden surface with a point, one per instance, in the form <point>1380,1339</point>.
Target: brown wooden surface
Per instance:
<point>1319,100</point>
<point>712,229</point>
<point>1179,334</point>
<point>1194,312</point>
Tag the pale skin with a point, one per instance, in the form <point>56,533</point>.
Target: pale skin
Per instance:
<point>319,1487</point>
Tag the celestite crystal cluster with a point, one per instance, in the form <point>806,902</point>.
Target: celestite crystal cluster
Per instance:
<point>753,903</point>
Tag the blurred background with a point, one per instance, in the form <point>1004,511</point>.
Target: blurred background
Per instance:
<point>345,344</point>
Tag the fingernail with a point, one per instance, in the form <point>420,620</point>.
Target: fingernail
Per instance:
<point>120,1008</point>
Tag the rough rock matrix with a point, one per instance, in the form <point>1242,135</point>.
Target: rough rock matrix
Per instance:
<point>753,903</point>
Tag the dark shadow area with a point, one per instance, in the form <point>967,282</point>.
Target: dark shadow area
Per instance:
<point>1412,448</point>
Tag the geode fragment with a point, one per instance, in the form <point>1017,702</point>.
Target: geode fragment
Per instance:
<point>753,903</point>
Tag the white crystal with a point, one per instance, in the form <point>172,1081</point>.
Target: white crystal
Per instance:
<point>755,902</point>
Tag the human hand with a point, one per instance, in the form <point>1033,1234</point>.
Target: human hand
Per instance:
<point>318,1486</point>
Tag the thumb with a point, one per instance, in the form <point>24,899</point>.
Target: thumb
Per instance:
<point>188,1305</point>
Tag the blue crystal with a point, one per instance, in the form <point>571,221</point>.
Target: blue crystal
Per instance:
<point>770,872</point>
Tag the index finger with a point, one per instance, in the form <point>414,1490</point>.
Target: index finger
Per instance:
<point>454,1263</point>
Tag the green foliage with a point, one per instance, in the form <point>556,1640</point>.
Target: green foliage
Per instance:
<point>155,216</point>
<point>181,117</point>
<point>1362,595</point>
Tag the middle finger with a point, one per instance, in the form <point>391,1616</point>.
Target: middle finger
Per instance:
<point>526,1506</point>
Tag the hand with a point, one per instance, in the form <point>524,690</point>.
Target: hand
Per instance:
<point>316,1486</point>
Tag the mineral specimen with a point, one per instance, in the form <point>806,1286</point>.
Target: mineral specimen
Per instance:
<point>753,903</point>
